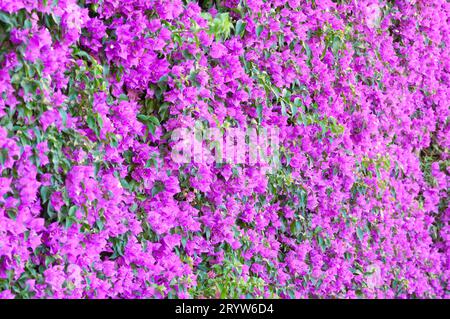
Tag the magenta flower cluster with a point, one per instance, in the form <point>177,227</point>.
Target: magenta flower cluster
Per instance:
<point>92,205</point>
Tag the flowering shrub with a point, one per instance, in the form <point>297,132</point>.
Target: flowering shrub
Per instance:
<point>92,205</point>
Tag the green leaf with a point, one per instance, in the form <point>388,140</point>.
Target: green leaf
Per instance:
<point>283,109</point>
<point>45,193</point>
<point>240,27</point>
<point>259,111</point>
<point>151,121</point>
<point>29,86</point>
<point>3,155</point>
<point>157,188</point>
<point>360,233</point>
<point>72,210</point>
<point>308,51</point>
<point>7,19</point>
<point>259,30</point>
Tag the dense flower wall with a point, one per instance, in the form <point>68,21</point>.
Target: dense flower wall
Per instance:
<point>92,205</point>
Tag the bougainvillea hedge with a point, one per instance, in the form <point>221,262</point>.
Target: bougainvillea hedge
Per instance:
<point>92,205</point>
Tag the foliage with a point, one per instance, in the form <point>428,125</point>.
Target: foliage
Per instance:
<point>93,206</point>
